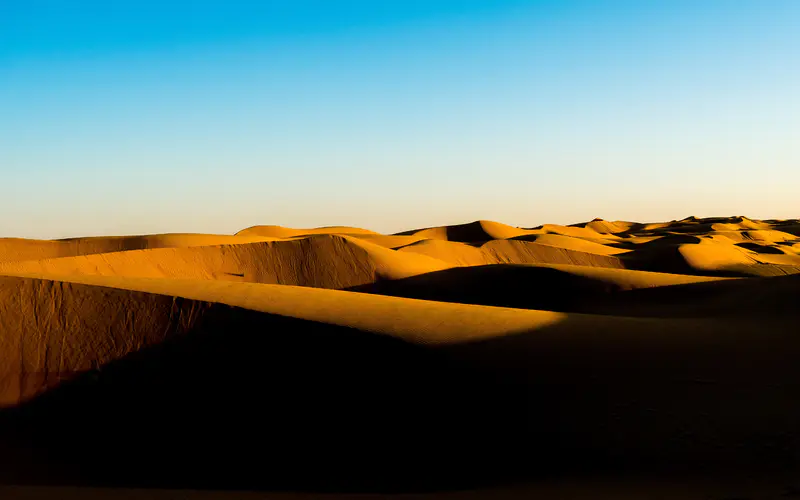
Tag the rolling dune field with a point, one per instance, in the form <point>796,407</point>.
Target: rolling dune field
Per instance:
<point>446,359</point>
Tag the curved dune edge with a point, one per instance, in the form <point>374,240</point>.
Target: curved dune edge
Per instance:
<point>413,320</point>
<point>632,279</point>
<point>560,288</point>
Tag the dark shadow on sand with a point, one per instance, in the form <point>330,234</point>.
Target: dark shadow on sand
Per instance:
<point>501,285</point>
<point>543,288</point>
<point>247,400</point>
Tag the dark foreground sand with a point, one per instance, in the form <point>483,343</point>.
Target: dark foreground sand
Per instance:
<point>688,488</point>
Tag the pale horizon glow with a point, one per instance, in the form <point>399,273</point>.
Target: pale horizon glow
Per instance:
<point>150,117</point>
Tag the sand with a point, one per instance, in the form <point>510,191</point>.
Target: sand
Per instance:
<point>340,360</point>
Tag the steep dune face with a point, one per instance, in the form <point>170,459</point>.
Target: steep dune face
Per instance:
<point>52,331</point>
<point>339,359</point>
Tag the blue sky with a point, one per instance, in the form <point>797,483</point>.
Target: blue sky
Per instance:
<point>156,116</point>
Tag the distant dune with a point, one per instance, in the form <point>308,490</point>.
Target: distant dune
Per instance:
<point>446,358</point>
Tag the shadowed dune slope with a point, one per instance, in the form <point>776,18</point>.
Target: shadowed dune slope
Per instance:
<point>473,232</point>
<point>52,330</point>
<point>195,393</point>
<point>552,287</point>
<point>765,297</point>
<point>412,320</point>
<point>601,291</point>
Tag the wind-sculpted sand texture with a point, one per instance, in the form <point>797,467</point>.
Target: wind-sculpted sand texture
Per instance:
<point>447,358</point>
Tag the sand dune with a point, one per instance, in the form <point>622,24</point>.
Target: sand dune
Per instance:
<point>452,252</point>
<point>287,232</point>
<point>525,252</point>
<point>741,243</point>
<point>571,243</point>
<point>346,360</point>
<point>478,231</point>
<point>555,287</point>
<point>608,227</point>
<point>529,249</point>
<point>324,261</point>
<point>16,249</point>
<point>577,231</point>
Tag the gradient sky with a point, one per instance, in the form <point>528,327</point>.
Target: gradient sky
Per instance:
<point>169,116</point>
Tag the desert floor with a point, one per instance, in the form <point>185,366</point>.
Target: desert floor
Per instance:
<point>470,361</point>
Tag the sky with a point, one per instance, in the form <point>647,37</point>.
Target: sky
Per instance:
<point>150,116</point>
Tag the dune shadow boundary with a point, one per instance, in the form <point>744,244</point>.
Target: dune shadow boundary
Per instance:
<point>253,401</point>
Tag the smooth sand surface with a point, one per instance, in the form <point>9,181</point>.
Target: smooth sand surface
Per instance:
<point>448,360</point>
